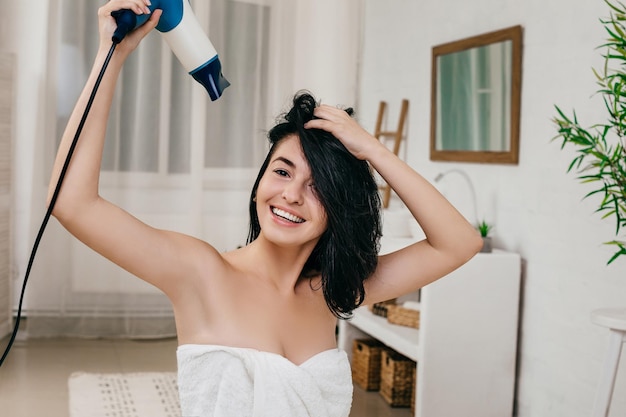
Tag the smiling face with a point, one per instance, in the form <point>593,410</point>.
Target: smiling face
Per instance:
<point>288,209</point>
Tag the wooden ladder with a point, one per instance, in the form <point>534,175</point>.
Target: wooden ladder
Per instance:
<point>396,135</point>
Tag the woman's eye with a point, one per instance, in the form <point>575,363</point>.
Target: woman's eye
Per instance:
<point>281,172</point>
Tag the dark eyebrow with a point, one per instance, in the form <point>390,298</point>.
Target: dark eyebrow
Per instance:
<point>285,160</point>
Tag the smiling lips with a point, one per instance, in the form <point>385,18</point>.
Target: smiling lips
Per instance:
<point>287,216</point>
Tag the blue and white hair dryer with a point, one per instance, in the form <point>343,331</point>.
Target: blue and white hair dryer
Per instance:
<point>182,32</point>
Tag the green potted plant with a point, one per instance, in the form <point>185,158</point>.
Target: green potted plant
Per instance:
<point>600,155</point>
<point>484,228</point>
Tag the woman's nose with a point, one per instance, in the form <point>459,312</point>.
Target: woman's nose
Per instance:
<point>293,193</point>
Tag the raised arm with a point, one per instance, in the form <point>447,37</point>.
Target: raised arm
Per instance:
<point>154,255</point>
<point>450,239</point>
<point>81,183</point>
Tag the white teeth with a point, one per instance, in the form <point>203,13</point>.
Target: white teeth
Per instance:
<point>285,215</point>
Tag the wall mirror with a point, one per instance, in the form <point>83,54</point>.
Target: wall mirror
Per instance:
<point>475,98</point>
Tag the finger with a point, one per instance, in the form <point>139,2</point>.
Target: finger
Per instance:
<point>331,113</point>
<point>321,123</point>
<point>322,110</point>
<point>137,6</point>
<point>151,23</point>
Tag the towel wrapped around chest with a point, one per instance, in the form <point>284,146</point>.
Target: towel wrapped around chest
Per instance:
<point>222,381</point>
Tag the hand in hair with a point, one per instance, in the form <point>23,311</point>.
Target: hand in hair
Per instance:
<point>345,128</point>
<point>450,239</point>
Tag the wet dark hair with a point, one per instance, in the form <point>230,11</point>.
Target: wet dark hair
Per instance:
<point>347,252</point>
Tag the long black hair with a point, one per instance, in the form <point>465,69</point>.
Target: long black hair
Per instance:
<point>347,252</point>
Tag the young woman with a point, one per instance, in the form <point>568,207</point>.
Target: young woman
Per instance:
<point>256,326</point>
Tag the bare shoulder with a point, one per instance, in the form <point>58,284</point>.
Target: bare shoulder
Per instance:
<point>176,263</point>
<point>199,258</point>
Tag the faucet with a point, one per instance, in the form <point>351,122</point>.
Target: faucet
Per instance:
<point>463,174</point>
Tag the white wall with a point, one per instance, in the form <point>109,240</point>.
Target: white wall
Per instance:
<point>536,206</point>
<point>326,50</point>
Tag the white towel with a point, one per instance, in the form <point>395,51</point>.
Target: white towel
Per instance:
<point>221,381</point>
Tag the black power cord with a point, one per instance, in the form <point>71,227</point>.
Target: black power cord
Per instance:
<point>57,189</point>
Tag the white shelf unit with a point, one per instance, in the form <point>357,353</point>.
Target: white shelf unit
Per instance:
<point>466,346</point>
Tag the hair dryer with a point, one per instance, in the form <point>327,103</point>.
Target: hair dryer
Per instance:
<point>183,33</point>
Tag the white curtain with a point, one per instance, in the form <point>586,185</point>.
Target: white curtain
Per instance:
<point>7,109</point>
<point>160,117</point>
<point>173,158</point>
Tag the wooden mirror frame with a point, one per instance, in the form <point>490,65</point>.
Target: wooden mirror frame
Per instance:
<point>511,156</point>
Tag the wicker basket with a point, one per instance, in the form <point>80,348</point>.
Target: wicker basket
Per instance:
<point>380,309</point>
<point>413,393</point>
<point>403,316</point>
<point>366,357</point>
<point>397,379</point>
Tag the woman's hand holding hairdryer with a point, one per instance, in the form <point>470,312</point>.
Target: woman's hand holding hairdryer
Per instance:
<point>180,29</point>
<point>111,30</point>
